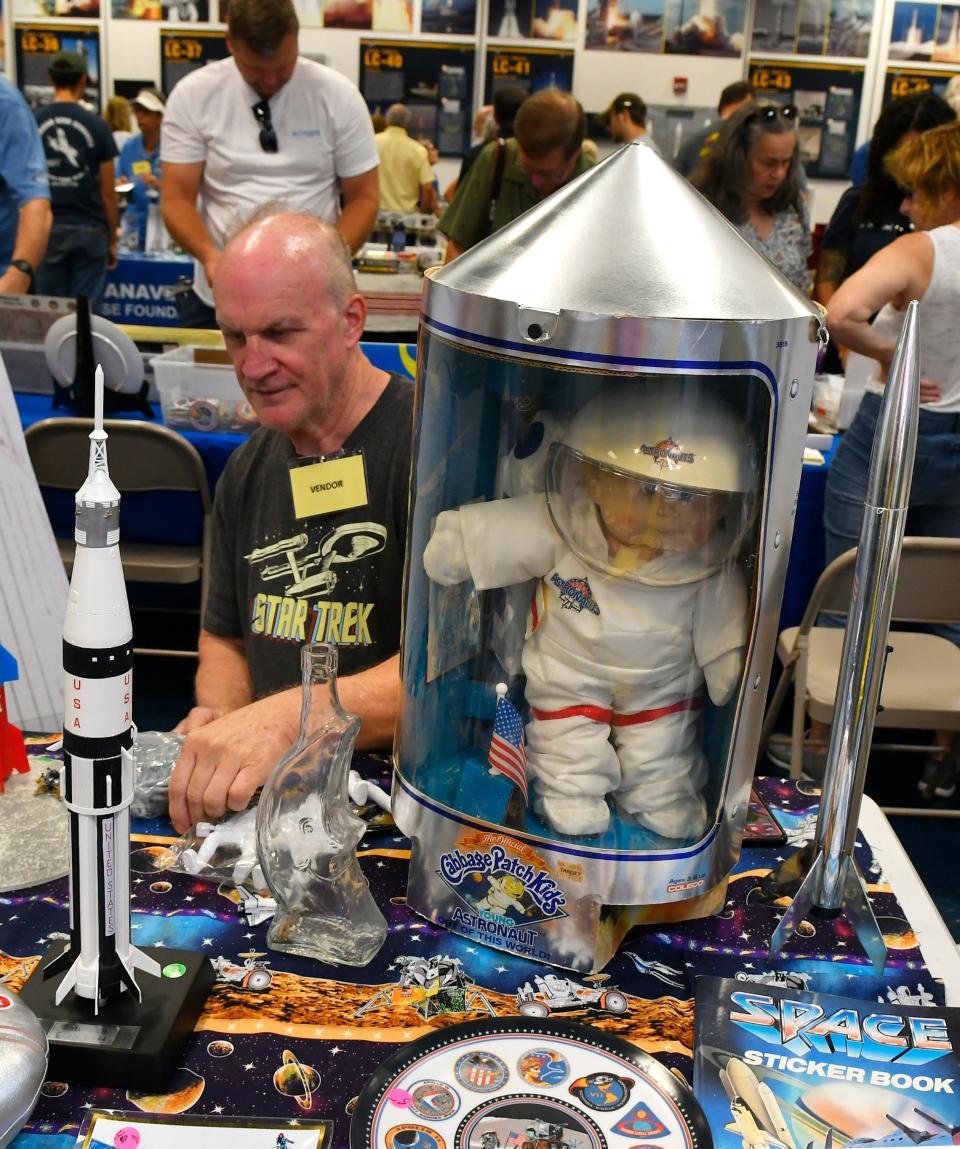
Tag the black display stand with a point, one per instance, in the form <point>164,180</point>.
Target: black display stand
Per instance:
<point>129,1043</point>
<point>78,396</point>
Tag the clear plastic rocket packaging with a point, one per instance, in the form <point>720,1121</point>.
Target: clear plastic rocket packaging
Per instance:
<point>607,453</point>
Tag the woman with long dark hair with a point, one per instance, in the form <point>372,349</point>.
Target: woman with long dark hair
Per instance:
<point>753,176</point>
<point>867,218</point>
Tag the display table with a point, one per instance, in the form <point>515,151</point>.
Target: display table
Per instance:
<point>337,1024</point>
<point>138,290</point>
<point>393,301</point>
<point>215,448</point>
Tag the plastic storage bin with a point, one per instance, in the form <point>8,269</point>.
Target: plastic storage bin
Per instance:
<point>199,391</point>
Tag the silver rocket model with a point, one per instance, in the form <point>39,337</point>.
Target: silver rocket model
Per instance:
<point>833,881</point>
<point>97,740</point>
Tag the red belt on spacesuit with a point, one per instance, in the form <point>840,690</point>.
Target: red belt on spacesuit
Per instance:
<point>602,714</point>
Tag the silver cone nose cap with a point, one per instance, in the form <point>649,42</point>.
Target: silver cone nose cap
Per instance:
<point>630,237</point>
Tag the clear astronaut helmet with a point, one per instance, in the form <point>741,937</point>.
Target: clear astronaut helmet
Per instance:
<point>655,482</point>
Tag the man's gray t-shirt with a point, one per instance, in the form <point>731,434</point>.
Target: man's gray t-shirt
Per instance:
<point>278,581</point>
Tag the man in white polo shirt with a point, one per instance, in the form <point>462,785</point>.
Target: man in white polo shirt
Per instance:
<point>264,125</point>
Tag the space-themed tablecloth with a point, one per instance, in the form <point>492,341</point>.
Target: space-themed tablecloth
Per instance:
<point>287,1037</point>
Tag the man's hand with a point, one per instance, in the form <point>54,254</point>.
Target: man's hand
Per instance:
<point>198,716</point>
<point>224,761</point>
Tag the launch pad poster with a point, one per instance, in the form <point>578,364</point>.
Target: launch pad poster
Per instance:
<point>37,44</point>
<point>183,52</point>
<point>434,80</point>
<point>777,1066</point>
<point>827,98</point>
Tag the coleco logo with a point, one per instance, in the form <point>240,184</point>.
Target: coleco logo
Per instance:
<point>5,1002</point>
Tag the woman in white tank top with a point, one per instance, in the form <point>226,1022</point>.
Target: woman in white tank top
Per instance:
<point>923,265</point>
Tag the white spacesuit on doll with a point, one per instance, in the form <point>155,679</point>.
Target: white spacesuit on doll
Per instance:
<point>634,610</point>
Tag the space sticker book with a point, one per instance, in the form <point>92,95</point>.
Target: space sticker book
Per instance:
<point>782,1068</point>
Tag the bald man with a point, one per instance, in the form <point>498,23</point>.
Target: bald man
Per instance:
<point>309,520</point>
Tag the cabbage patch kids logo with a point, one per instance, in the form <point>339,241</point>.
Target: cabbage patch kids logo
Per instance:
<point>575,594</point>
<point>500,888</point>
<point>667,454</point>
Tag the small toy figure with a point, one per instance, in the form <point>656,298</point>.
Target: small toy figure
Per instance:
<point>504,894</point>
<point>649,492</point>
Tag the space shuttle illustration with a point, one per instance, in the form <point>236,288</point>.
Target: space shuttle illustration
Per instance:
<point>755,1112</point>
<point>98,776</point>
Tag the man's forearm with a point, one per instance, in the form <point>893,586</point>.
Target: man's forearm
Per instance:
<point>357,221</point>
<point>111,209</point>
<point>33,231</point>
<point>374,694</point>
<point>223,677</point>
<point>187,228</point>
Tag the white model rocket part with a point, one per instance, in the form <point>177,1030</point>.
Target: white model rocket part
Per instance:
<point>98,489</point>
<point>98,772</point>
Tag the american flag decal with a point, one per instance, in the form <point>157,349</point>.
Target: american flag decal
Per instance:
<point>506,746</point>
<point>482,1075</point>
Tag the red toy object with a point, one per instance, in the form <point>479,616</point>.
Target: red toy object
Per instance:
<point>13,753</point>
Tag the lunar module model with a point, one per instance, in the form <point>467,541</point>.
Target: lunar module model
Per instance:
<point>612,404</point>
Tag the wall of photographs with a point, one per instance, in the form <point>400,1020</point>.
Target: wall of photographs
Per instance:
<point>839,61</point>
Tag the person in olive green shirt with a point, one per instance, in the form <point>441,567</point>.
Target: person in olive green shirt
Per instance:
<point>545,153</point>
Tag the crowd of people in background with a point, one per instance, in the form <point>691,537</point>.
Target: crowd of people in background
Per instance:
<point>239,136</point>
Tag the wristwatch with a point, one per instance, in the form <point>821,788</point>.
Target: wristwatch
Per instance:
<point>24,266</point>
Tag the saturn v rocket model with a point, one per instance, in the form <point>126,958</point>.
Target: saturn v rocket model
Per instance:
<point>612,404</point>
<point>97,740</point>
<point>110,1030</point>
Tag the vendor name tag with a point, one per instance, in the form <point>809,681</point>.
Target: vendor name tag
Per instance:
<point>333,485</point>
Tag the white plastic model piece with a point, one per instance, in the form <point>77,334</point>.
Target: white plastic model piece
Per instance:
<point>363,792</point>
<point>238,834</point>
<point>97,738</point>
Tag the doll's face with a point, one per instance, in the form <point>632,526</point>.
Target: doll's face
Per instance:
<point>652,516</point>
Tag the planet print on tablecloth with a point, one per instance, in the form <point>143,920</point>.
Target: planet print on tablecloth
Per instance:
<point>186,1092</point>
<point>296,1079</point>
<point>220,1048</point>
<point>151,859</point>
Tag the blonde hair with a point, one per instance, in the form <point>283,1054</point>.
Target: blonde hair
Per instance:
<point>929,164</point>
<point>117,114</point>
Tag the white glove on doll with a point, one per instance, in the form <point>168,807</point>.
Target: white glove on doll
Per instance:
<point>445,557</point>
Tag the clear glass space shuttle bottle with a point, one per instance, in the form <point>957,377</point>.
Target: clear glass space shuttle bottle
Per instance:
<point>307,834</point>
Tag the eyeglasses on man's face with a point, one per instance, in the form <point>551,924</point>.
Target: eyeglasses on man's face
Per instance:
<point>268,136</point>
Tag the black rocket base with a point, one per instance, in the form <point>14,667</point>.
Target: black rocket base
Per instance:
<point>129,1043</point>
